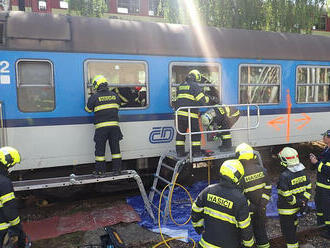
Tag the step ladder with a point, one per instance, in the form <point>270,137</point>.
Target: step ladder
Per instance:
<point>172,164</point>
<point>85,179</point>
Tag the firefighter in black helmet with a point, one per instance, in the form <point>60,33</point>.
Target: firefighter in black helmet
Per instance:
<point>189,94</point>
<point>294,189</point>
<point>105,104</point>
<point>9,219</point>
<point>257,188</point>
<point>221,213</point>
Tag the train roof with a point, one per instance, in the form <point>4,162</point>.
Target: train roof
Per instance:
<point>45,32</point>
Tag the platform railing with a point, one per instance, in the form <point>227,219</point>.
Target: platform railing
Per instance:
<point>249,126</point>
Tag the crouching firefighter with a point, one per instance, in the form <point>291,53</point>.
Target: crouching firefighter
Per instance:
<point>218,118</point>
<point>11,231</point>
<point>257,188</point>
<point>293,193</point>
<point>221,213</point>
<point>105,104</point>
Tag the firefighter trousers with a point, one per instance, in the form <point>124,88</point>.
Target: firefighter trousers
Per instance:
<point>180,139</point>
<point>289,225</point>
<point>258,219</point>
<point>113,135</point>
<point>322,201</point>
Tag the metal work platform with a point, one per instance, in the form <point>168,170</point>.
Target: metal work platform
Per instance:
<point>84,179</point>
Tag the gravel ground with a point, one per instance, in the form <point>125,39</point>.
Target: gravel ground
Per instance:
<point>136,236</point>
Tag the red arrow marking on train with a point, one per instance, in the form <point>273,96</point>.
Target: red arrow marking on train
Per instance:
<point>306,119</point>
<point>274,122</point>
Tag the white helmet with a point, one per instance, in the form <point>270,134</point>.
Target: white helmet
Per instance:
<point>289,157</point>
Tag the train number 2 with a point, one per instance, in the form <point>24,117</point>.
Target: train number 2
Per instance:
<point>4,66</point>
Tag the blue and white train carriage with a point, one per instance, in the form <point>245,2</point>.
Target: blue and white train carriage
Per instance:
<point>47,62</point>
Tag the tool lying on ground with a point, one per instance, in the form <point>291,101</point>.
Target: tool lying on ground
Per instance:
<point>111,239</point>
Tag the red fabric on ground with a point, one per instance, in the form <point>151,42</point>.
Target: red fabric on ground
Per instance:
<point>82,221</point>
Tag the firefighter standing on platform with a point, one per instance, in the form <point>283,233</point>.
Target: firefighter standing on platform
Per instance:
<point>257,189</point>
<point>9,219</point>
<point>322,196</point>
<point>293,193</point>
<point>105,104</point>
<point>221,213</point>
<point>189,94</point>
<point>218,118</point>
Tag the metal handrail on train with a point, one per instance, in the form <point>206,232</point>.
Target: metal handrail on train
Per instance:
<point>189,133</point>
<point>2,127</point>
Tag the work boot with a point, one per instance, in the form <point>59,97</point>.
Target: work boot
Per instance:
<point>99,169</point>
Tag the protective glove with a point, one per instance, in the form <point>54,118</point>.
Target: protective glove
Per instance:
<point>216,138</point>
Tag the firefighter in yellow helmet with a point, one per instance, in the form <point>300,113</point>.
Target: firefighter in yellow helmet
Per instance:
<point>221,213</point>
<point>293,193</point>
<point>189,94</point>
<point>257,188</point>
<point>9,219</point>
<point>105,105</point>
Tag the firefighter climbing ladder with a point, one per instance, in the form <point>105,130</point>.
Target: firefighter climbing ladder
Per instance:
<point>170,164</point>
<point>84,179</point>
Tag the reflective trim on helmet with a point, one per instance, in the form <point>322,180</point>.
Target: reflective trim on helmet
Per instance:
<point>106,124</point>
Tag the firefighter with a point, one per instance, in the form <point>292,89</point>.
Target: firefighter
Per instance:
<point>128,96</point>
<point>257,188</point>
<point>223,117</point>
<point>189,94</point>
<point>105,104</point>
<point>221,213</point>
<point>10,223</point>
<point>322,195</point>
<point>293,193</point>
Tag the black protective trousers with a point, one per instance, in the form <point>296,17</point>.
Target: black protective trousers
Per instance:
<point>258,219</point>
<point>182,127</point>
<point>322,201</point>
<point>289,225</point>
<point>101,136</point>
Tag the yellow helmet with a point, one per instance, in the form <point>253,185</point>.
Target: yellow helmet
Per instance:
<point>232,169</point>
<point>244,151</point>
<point>196,75</point>
<point>9,156</point>
<point>289,157</point>
<point>98,80</point>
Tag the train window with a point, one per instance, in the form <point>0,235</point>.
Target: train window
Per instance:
<point>312,84</point>
<point>211,76</point>
<point>127,78</point>
<point>35,86</point>
<point>128,6</point>
<point>259,84</point>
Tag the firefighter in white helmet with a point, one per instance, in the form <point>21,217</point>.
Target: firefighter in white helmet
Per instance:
<point>293,193</point>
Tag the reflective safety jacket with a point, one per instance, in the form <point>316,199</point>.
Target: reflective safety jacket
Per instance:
<point>190,94</point>
<point>293,189</point>
<point>9,217</point>
<point>221,214</point>
<point>229,114</point>
<point>105,104</point>
<point>256,183</point>
<point>323,169</point>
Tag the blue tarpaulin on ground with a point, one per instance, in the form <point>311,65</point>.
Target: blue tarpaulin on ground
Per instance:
<point>181,209</point>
